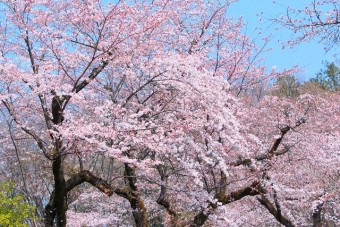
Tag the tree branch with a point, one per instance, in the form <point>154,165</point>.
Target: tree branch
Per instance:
<point>275,212</point>
<point>273,149</point>
<point>163,198</point>
<point>254,189</point>
<point>87,176</point>
<point>78,87</point>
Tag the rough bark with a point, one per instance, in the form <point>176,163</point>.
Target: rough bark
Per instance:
<point>133,195</point>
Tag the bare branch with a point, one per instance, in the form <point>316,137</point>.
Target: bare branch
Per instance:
<point>275,212</point>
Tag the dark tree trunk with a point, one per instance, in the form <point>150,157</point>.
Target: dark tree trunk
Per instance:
<point>75,180</point>
<point>60,192</point>
<point>50,212</point>
<point>49,216</point>
<point>317,215</point>
<point>137,204</point>
<point>57,206</point>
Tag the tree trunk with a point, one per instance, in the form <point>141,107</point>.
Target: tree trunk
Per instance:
<point>60,192</point>
<point>137,204</point>
<point>50,212</point>
<point>317,222</point>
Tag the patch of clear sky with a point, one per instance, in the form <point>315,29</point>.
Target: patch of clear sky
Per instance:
<point>309,56</point>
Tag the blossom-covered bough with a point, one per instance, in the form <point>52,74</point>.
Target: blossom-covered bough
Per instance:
<point>319,19</point>
<point>149,87</point>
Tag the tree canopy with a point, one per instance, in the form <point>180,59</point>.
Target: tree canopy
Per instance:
<point>141,113</point>
<point>14,211</point>
<point>328,78</point>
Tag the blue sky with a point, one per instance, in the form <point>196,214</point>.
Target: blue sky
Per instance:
<point>308,56</point>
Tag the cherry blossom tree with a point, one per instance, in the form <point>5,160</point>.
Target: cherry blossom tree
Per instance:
<point>308,152</point>
<point>149,88</point>
<point>318,20</point>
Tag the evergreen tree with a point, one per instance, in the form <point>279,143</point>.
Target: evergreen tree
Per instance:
<point>328,78</point>
<point>286,86</point>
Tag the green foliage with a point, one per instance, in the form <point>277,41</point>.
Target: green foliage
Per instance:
<point>14,212</point>
<point>286,86</point>
<point>328,78</point>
